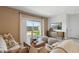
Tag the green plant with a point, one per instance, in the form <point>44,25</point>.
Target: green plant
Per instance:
<point>59,27</point>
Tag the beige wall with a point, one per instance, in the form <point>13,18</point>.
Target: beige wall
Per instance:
<point>10,22</point>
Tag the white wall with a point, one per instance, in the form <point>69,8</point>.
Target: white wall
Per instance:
<point>58,18</point>
<point>73,25</point>
<point>70,24</point>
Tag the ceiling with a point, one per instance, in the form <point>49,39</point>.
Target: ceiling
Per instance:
<point>48,11</point>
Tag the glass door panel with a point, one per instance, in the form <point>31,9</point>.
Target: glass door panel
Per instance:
<point>33,29</point>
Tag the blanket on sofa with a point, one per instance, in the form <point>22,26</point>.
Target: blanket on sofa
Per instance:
<point>69,46</point>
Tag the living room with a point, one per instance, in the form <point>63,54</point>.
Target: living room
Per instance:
<point>39,29</point>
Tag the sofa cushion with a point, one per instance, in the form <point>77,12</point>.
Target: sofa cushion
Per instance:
<point>52,34</point>
<point>52,40</point>
<point>42,38</point>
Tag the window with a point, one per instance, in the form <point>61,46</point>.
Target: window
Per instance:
<point>33,29</point>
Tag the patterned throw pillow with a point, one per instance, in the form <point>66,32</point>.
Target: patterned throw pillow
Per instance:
<point>10,41</point>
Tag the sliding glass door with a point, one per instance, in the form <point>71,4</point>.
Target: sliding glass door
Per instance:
<point>33,29</point>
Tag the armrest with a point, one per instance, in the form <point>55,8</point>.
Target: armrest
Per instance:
<point>41,44</point>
